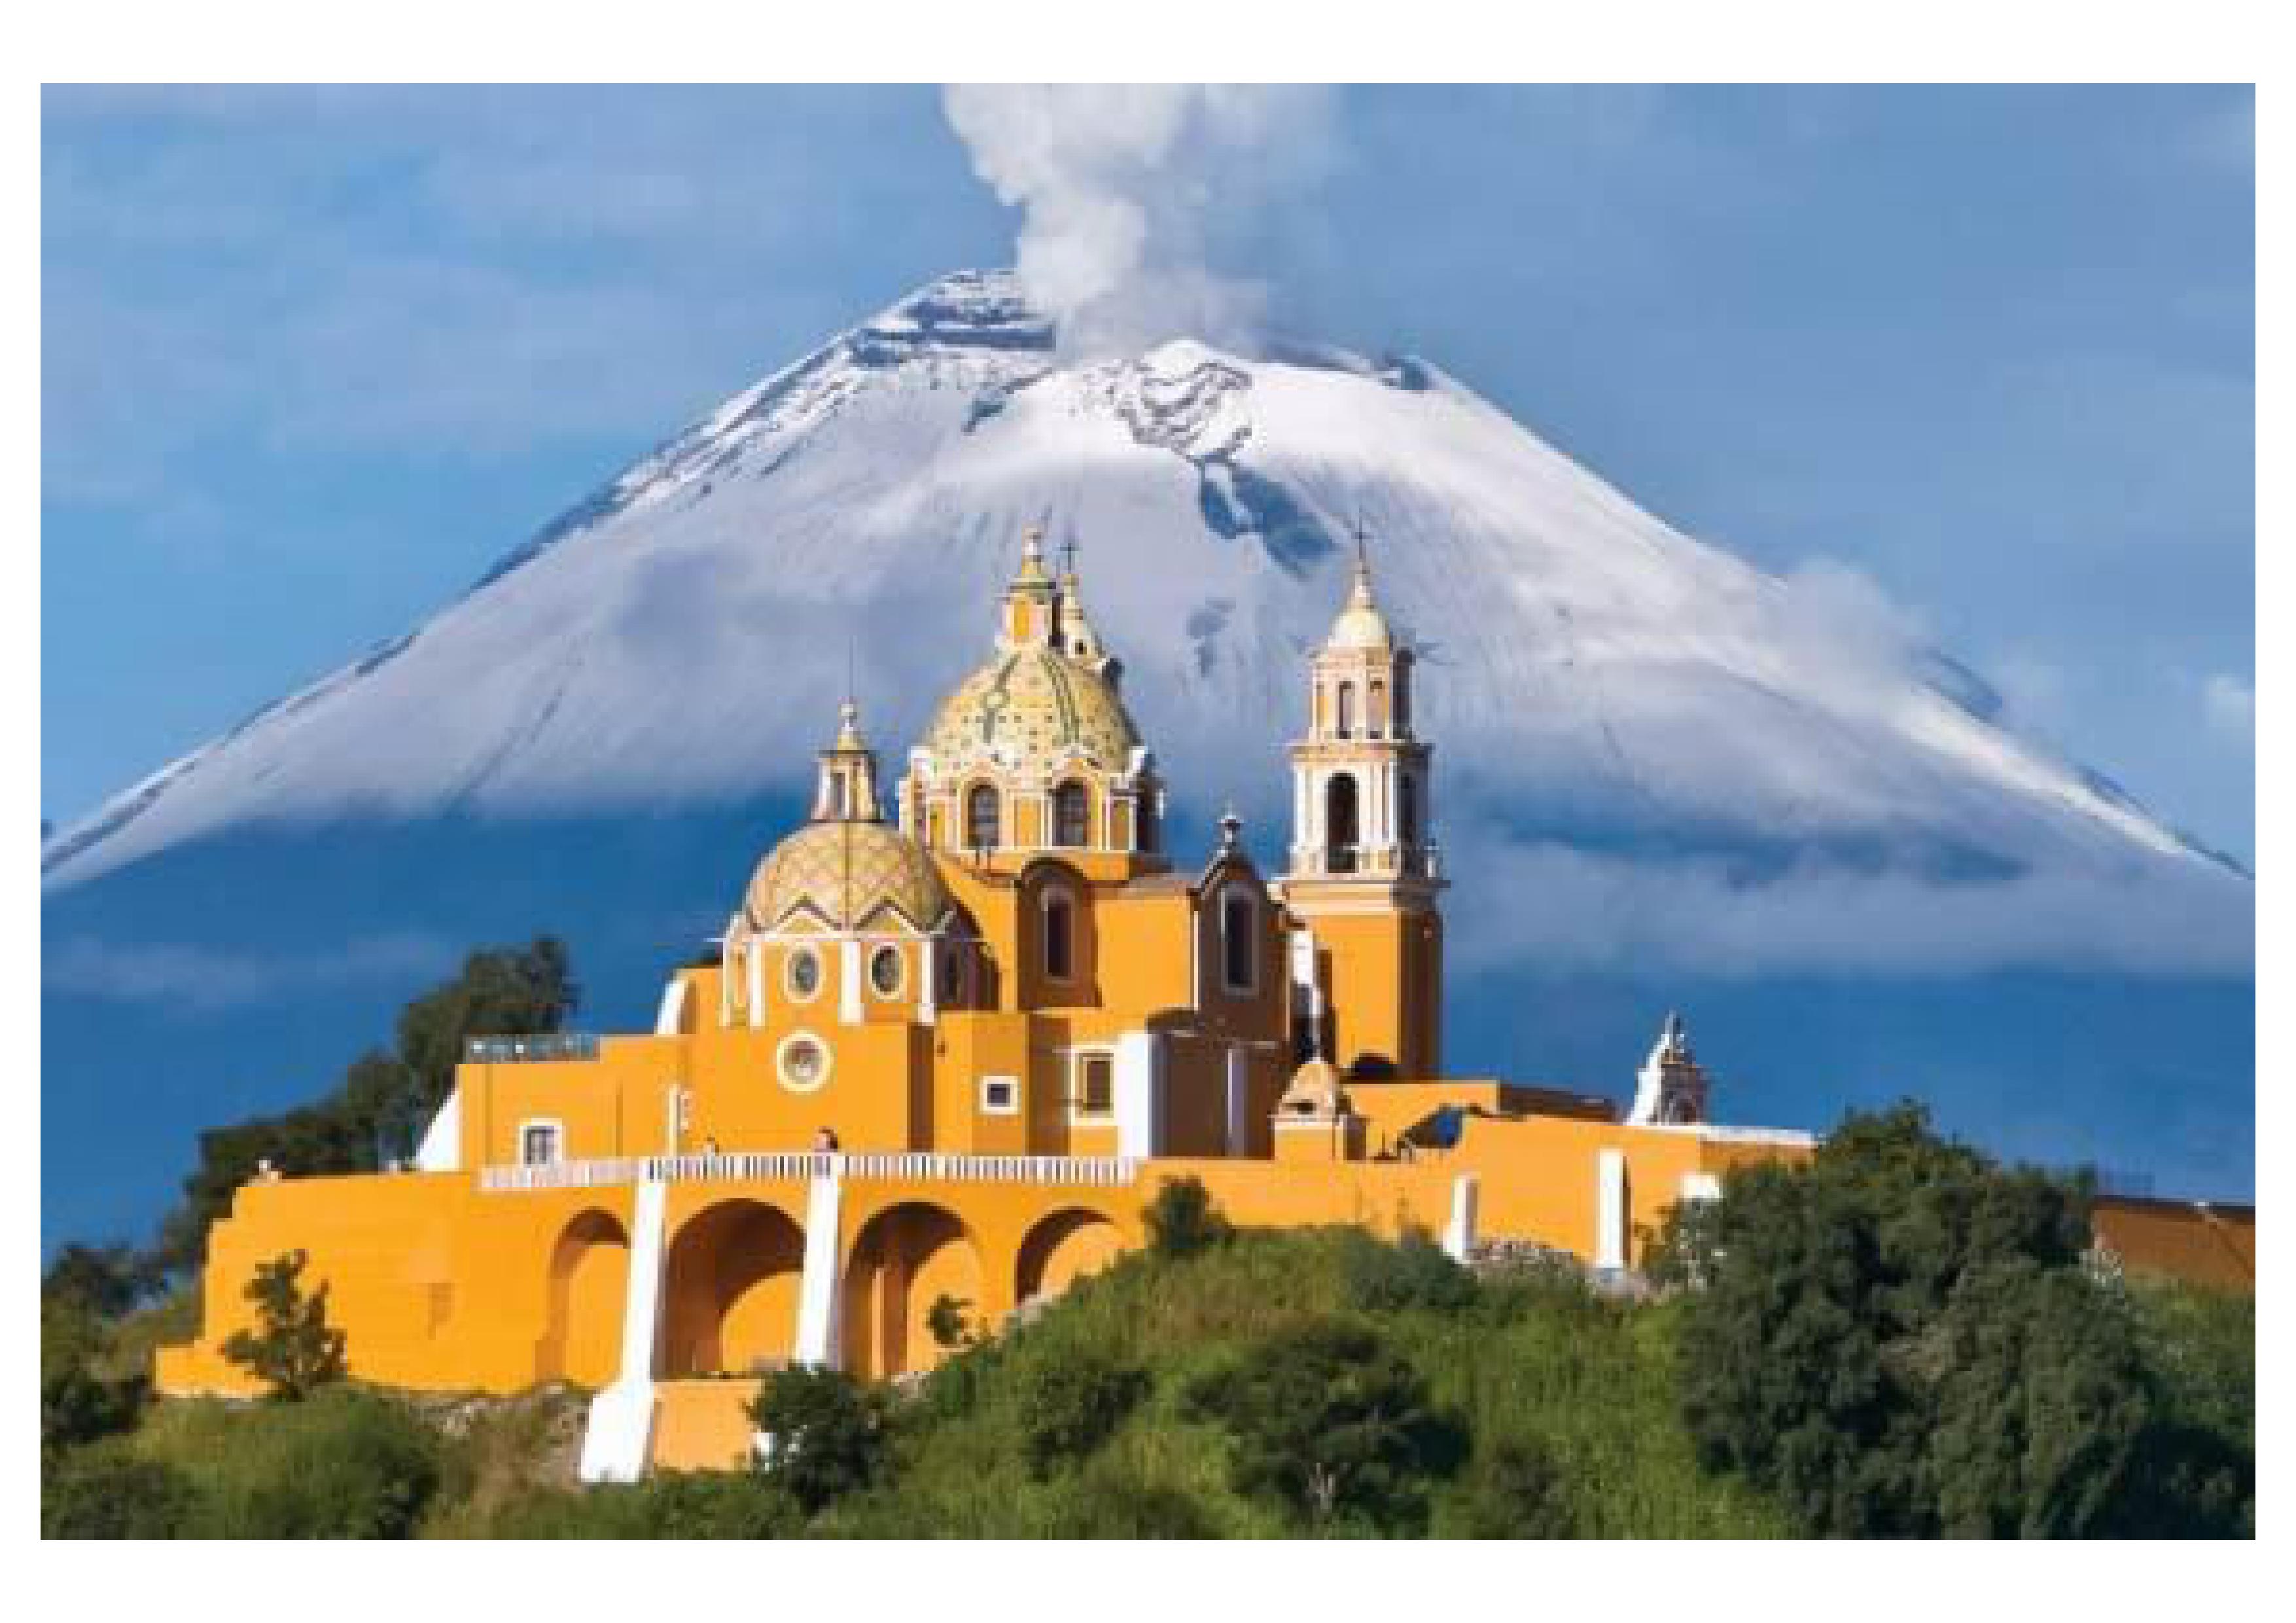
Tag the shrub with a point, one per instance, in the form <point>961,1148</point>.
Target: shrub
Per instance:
<point>1182,1220</point>
<point>108,1492</point>
<point>1412,1273</point>
<point>1329,1421</point>
<point>77,1405</point>
<point>1898,1340</point>
<point>946,1322</point>
<point>355,1465</point>
<point>293,1350</point>
<point>1514,1490</point>
<point>1070,1404</point>
<point>828,1433</point>
<point>1105,1504</point>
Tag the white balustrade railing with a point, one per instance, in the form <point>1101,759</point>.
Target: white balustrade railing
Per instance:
<point>1093,1171</point>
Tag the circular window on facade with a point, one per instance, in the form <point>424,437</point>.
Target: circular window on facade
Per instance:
<point>802,973</point>
<point>885,972</point>
<point>802,1061</point>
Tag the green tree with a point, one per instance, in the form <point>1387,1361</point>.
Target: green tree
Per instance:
<point>828,1432</point>
<point>1182,1221</point>
<point>107,1280</point>
<point>947,1322</point>
<point>1327,1420</point>
<point>293,1350</point>
<point>78,1405</point>
<point>1898,1339</point>
<point>378,1109</point>
<point>1515,1490</point>
<point>1412,1273</point>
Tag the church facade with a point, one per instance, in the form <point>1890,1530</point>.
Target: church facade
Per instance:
<point>949,1046</point>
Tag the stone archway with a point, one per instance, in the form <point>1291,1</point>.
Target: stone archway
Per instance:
<point>1062,1249</point>
<point>589,1273</point>
<point>904,1258</point>
<point>730,1289</point>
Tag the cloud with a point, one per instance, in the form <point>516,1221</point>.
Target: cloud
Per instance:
<point>2230,704</point>
<point>1567,909</point>
<point>1128,194</point>
<point>204,978</point>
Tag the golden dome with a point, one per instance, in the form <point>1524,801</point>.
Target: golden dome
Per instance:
<point>1360,624</point>
<point>1032,708</point>
<point>847,874</point>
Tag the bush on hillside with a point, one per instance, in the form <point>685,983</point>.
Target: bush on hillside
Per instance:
<point>828,1433</point>
<point>1182,1220</point>
<point>107,1492</point>
<point>1515,1490</point>
<point>1413,1272</point>
<point>1070,1405</point>
<point>356,1464</point>
<point>1898,1339</point>
<point>1327,1420</point>
<point>78,1405</point>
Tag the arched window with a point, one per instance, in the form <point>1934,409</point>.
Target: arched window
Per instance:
<point>1340,835</point>
<point>1060,937</point>
<point>1239,941</point>
<point>1407,808</point>
<point>1071,815</point>
<point>1378,707</point>
<point>981,820</point>
<point>1346,710</point>
<point>1402,702</point>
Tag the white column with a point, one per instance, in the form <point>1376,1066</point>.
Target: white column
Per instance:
<point>1611,1209</point>
<point>928,983</point>
<point>672,1013</point>
<point>818,1287</point>
<point>618,1442</point>
<point>1140,1093</point>
<point>849,981</point>
<point>1459,1234</point>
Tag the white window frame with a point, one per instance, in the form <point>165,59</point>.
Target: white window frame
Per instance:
<point>790,956</point>
<point>1012,1087</point>
<point>555,1126</point>
<point>900,972</point>
<point>781,1062</point>
<point>1077,1115</point>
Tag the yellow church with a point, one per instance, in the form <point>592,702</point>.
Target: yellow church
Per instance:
<point>951,1048</point>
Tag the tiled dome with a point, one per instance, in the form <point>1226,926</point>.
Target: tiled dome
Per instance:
<point>1029,708</point>
<point>847,873</point>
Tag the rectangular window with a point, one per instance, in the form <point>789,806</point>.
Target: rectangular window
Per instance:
<point>1096,1085</point>
<point>537,1143</point>
<point>999,1095</point>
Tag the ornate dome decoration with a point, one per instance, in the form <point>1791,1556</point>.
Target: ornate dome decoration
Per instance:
<point>847,869</point>
<point>1034,750</point>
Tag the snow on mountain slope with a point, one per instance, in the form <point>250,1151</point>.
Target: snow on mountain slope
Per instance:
<point>1592,676</point>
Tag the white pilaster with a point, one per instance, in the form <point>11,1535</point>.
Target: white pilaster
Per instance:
<point>928,980</point>
<point>1140,1093</point>
<point>1459,1233</point>
<point>757,957</point>
<point>849,981</point>
<point>619,1440</point>
<point>671,1015</point>
<point>1611,1209</point>
<point>819,1288</point>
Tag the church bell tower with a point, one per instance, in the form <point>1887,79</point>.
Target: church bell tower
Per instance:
<point>1363,878</point>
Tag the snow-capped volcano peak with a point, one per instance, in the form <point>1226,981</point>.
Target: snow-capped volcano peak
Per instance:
<point>1596,680</point>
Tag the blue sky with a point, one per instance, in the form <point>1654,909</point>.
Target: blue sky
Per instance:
<point>312,359</point>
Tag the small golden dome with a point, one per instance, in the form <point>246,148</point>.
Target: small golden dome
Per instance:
<point>1315,1090</point>
<point>1032,708</point>
<point>847,875</point>
<point>1360,624</point>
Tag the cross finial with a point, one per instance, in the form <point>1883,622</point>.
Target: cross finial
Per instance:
<point>1068,556</point>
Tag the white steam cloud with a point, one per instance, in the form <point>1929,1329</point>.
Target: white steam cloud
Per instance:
<point>1135,196</point>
